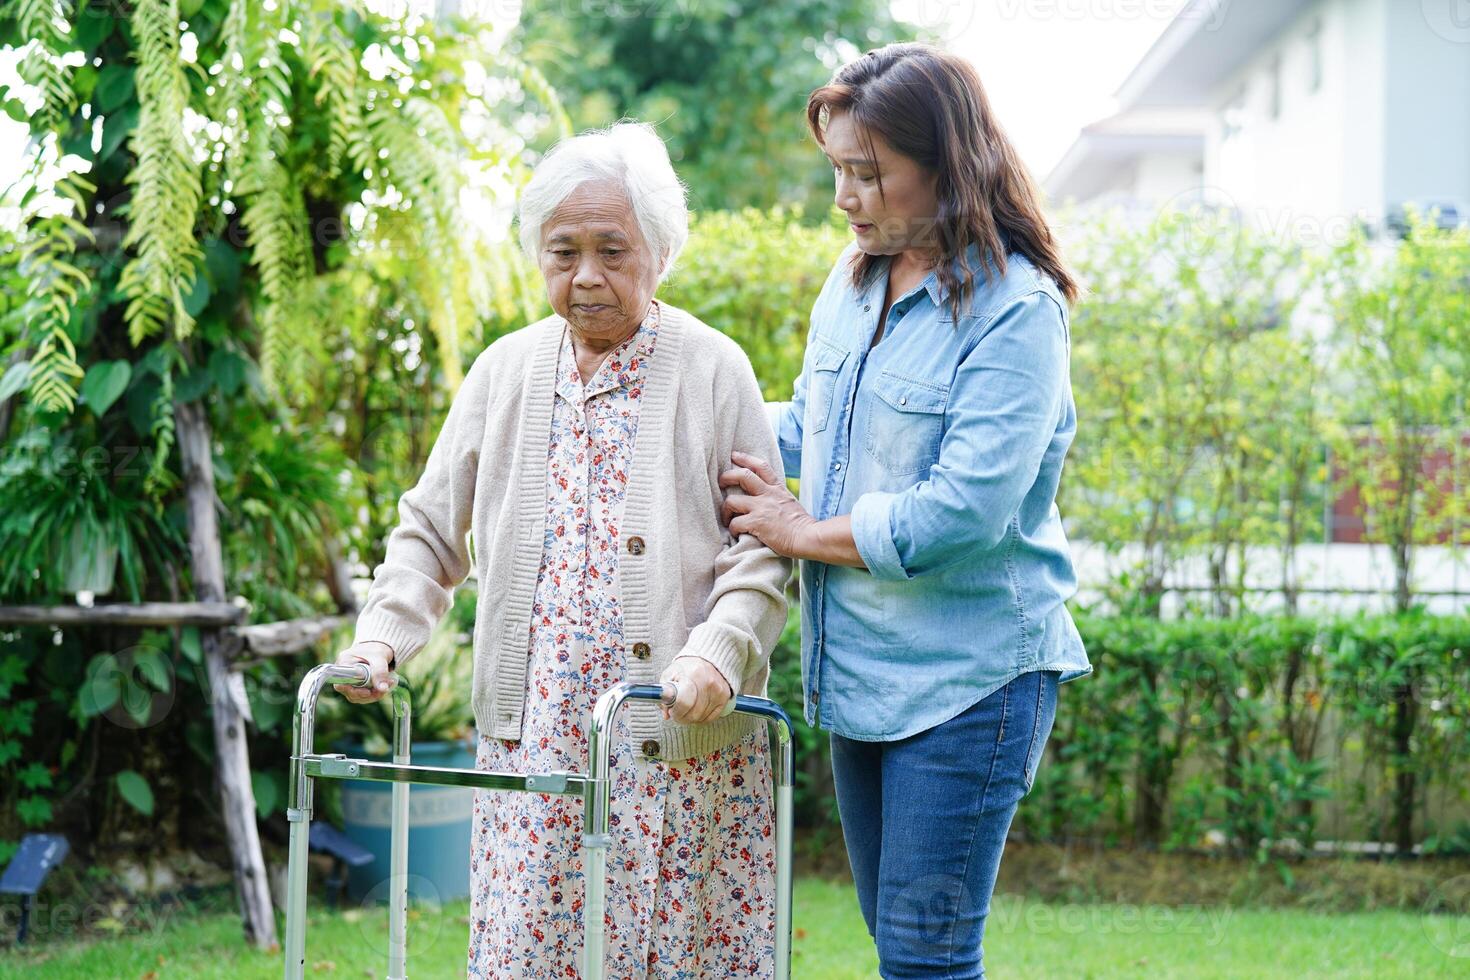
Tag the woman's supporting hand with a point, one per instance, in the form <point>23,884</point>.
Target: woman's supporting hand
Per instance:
<point>703,691</point>
<point>375,654</point>
<point>764,506</point>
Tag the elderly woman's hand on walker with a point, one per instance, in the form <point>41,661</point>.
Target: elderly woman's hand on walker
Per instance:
<point>379,658</point>
<point>704,694</point>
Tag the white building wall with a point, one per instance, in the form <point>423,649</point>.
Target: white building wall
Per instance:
<point>1427,136</point>
<point>1296,125</point>
<point>1364,108</point>
<point>1166,176</point>
<point>1354,108</point>
<point>1341,578</point>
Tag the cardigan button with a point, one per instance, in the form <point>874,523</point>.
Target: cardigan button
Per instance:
<point>650,748</point>
<point>635,545</point>
<point>641,651</point>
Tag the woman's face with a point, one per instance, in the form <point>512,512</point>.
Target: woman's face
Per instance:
<point>600,272</point>
<point>903,216</point>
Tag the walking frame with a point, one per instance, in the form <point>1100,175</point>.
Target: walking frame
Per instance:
<point>594,789</point>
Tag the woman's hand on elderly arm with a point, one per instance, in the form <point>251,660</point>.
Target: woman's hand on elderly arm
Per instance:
<point>765,507</point>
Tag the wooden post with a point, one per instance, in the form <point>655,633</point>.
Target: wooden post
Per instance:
<point>237,798</point>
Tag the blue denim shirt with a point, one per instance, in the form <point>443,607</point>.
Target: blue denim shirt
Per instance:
<point>945,443</point>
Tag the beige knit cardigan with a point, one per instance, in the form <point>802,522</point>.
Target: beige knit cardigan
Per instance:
<point>685,587</point>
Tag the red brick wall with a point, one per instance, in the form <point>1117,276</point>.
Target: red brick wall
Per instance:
<point>1438,466</point>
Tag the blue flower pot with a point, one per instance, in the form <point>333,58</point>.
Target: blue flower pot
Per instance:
<point>439,819</point>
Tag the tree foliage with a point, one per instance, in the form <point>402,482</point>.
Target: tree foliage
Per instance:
<point>1198,427</point>
<point>725,82</point>
<point>167,132</point>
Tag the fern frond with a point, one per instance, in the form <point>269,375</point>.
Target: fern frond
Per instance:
<point>54,288</point>
<point>228,104</point>
<point>166,181</point>
<point>421,156</point>
<point>334,66</point>
<point>275,223</point>
<point>538,88</point>
<point>160,479</point>
<point>48,24</point>
<point>273,213</point>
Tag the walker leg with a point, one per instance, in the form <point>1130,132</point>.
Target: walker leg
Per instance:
<point>594,906</point>
<point>398,883</point>
<point>596,827</point>
<point>398,847</point>
<point>596,815</point>
<point>300,820</point>
<point>783,880</point>
<point>299,802</point>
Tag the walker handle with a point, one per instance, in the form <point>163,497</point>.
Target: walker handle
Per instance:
<point>671,694</point>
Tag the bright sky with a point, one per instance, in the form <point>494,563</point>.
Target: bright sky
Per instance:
<point>1050,67</point>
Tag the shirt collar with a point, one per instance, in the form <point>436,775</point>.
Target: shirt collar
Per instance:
<point>624,365</point>
<point>938,291</point>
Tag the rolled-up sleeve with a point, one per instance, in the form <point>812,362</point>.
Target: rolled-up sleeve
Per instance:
<point>785,420</point>
<point>1004,408</point>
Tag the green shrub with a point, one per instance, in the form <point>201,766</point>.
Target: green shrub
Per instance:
<point>1196,727</point>
<point>754,276</point>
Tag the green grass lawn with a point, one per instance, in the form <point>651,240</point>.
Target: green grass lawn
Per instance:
<point>1023,939</point>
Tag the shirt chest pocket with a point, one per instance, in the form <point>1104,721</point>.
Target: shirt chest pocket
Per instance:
<point>905,423</point>
<point>827,364</point>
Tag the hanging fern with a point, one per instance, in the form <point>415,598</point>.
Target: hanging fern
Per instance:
<point>538,88</point>
<point>47,23</point>
<point>228,105</point>
<point>274,215</point>
<point>333,61</point>
<point>54,286</point>
<point>160,478</point>
<point>418,155</point>
<point>236,141</point>
<point>166,183</point>
<point>276,226</point>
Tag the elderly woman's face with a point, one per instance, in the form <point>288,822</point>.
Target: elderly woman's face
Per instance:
<point>600,272</point>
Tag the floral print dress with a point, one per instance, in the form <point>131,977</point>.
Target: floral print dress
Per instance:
<point>691,871</point>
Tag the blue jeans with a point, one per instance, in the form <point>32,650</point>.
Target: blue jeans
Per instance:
<point>925,819</point>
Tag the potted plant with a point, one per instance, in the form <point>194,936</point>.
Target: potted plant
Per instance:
<point>90,557</point>
<point>443,734</point>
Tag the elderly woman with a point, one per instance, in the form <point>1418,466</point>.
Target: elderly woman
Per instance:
<point>584,452</point>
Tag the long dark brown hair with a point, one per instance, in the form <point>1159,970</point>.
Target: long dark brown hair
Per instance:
<point>930,106</point>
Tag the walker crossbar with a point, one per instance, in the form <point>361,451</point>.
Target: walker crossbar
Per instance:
<point>594,789</point>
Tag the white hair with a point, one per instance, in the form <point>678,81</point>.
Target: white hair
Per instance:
<point>632,155</point>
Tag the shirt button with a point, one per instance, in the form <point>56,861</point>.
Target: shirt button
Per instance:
<point>635,545</point>
<point>837,466</point>
<point>816,697</point>
<point>903,401</point>
<point>641,651</point>
<point>867,307</point>
<point>650,748</point>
